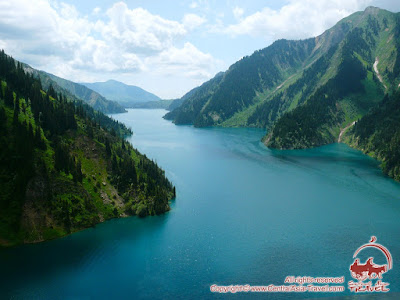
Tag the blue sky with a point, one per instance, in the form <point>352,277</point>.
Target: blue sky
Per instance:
<point>165,47</point>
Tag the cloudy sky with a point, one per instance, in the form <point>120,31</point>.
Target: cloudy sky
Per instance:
<point>165,47</point>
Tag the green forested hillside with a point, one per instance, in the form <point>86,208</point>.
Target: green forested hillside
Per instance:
<point>65,166</point>
<point>378,134</point>
<point>294,76</point>
<point>352,91</point>
<point>254,91</point>
<point>193,102</point>
<point>76,91</point>
<point>245,83</point>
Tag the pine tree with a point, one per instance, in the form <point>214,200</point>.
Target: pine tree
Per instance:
<point>108,148</point>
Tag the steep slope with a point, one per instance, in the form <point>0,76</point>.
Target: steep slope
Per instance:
<point>259,89</point>
<point>245,83</point>
<point>76,91</point>
<point>354,89</point>
<point>94,99</point>
<point>126,95</point>
<point>378,134</point>
<point>65,166</point>
<point>194,101</point>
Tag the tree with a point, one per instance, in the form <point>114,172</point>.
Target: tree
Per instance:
<point>108,148</point>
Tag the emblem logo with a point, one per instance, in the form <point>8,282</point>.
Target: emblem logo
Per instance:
<point>369,270</point>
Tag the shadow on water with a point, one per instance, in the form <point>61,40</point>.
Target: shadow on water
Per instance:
<point>75,251</point>
<point>325,154</point>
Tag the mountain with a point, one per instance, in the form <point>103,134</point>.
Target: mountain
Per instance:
<point>378,134</point>
<point>366,65</point>
<point>64,165</point>
<point>193,102</point>
<point>304,92</point>
<point>126,95</point>
<point>161,104</point>
<point>75,90</point>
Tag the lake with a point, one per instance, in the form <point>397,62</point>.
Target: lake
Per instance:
<point>244,214</point>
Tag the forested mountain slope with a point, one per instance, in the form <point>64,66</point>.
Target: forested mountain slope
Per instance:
<point>65,166</point>
<point>368,63</point>
<point>76,90</point>
<point>378,134</point>
<point>337,65</point>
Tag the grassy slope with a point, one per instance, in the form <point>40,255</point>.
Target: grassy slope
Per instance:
<point>354,106</point>
<point>52,195</point>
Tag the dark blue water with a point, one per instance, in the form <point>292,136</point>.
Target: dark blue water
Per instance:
<point>244,214</point>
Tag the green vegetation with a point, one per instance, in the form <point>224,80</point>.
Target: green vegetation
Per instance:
<point>378,134</point>
<point>243,84</point>
<point>160,104</point>
<point>349,94</point>
<point>76,91</point>
<point>65,166</point>
<point>194,101</point>
<point>304,92</point>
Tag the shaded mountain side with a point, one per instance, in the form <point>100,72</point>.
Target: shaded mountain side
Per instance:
<point>353,90</point>
<point>378,134</point>
<point>175,104</point>
<point>259,89</point>
<point>193,101</point>
<point>297,93</point>
<point>126,95</point>
<point>262,77</point>
<point>65,166</point>
<point>77,91</point>
<point>161,104</point>
<point>243,84</point>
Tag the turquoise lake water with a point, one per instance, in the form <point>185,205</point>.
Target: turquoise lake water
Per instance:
<point>244,214</point>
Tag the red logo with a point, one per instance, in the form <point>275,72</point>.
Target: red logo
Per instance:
<point>369,270</point>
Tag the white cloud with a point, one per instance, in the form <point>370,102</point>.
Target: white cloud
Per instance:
<point>189,60</point>
<point>138,30</point>
<point>96,10</point>
<point>55,37</point>
<point>297,19</point>
<point>238,12</point>
<point>203,5</point>
<point>191,21</point>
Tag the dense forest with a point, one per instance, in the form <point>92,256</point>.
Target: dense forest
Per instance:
<point>268,112</point>
<point>350,94</point>
<point>65,166</point>
<point>309,125</point>
<point>378,134</point>
<point>299,90</point>
<point>242,84</point>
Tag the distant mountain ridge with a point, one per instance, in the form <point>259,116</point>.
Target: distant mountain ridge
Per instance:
<point>126,95</point>
<point>76,90</point>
